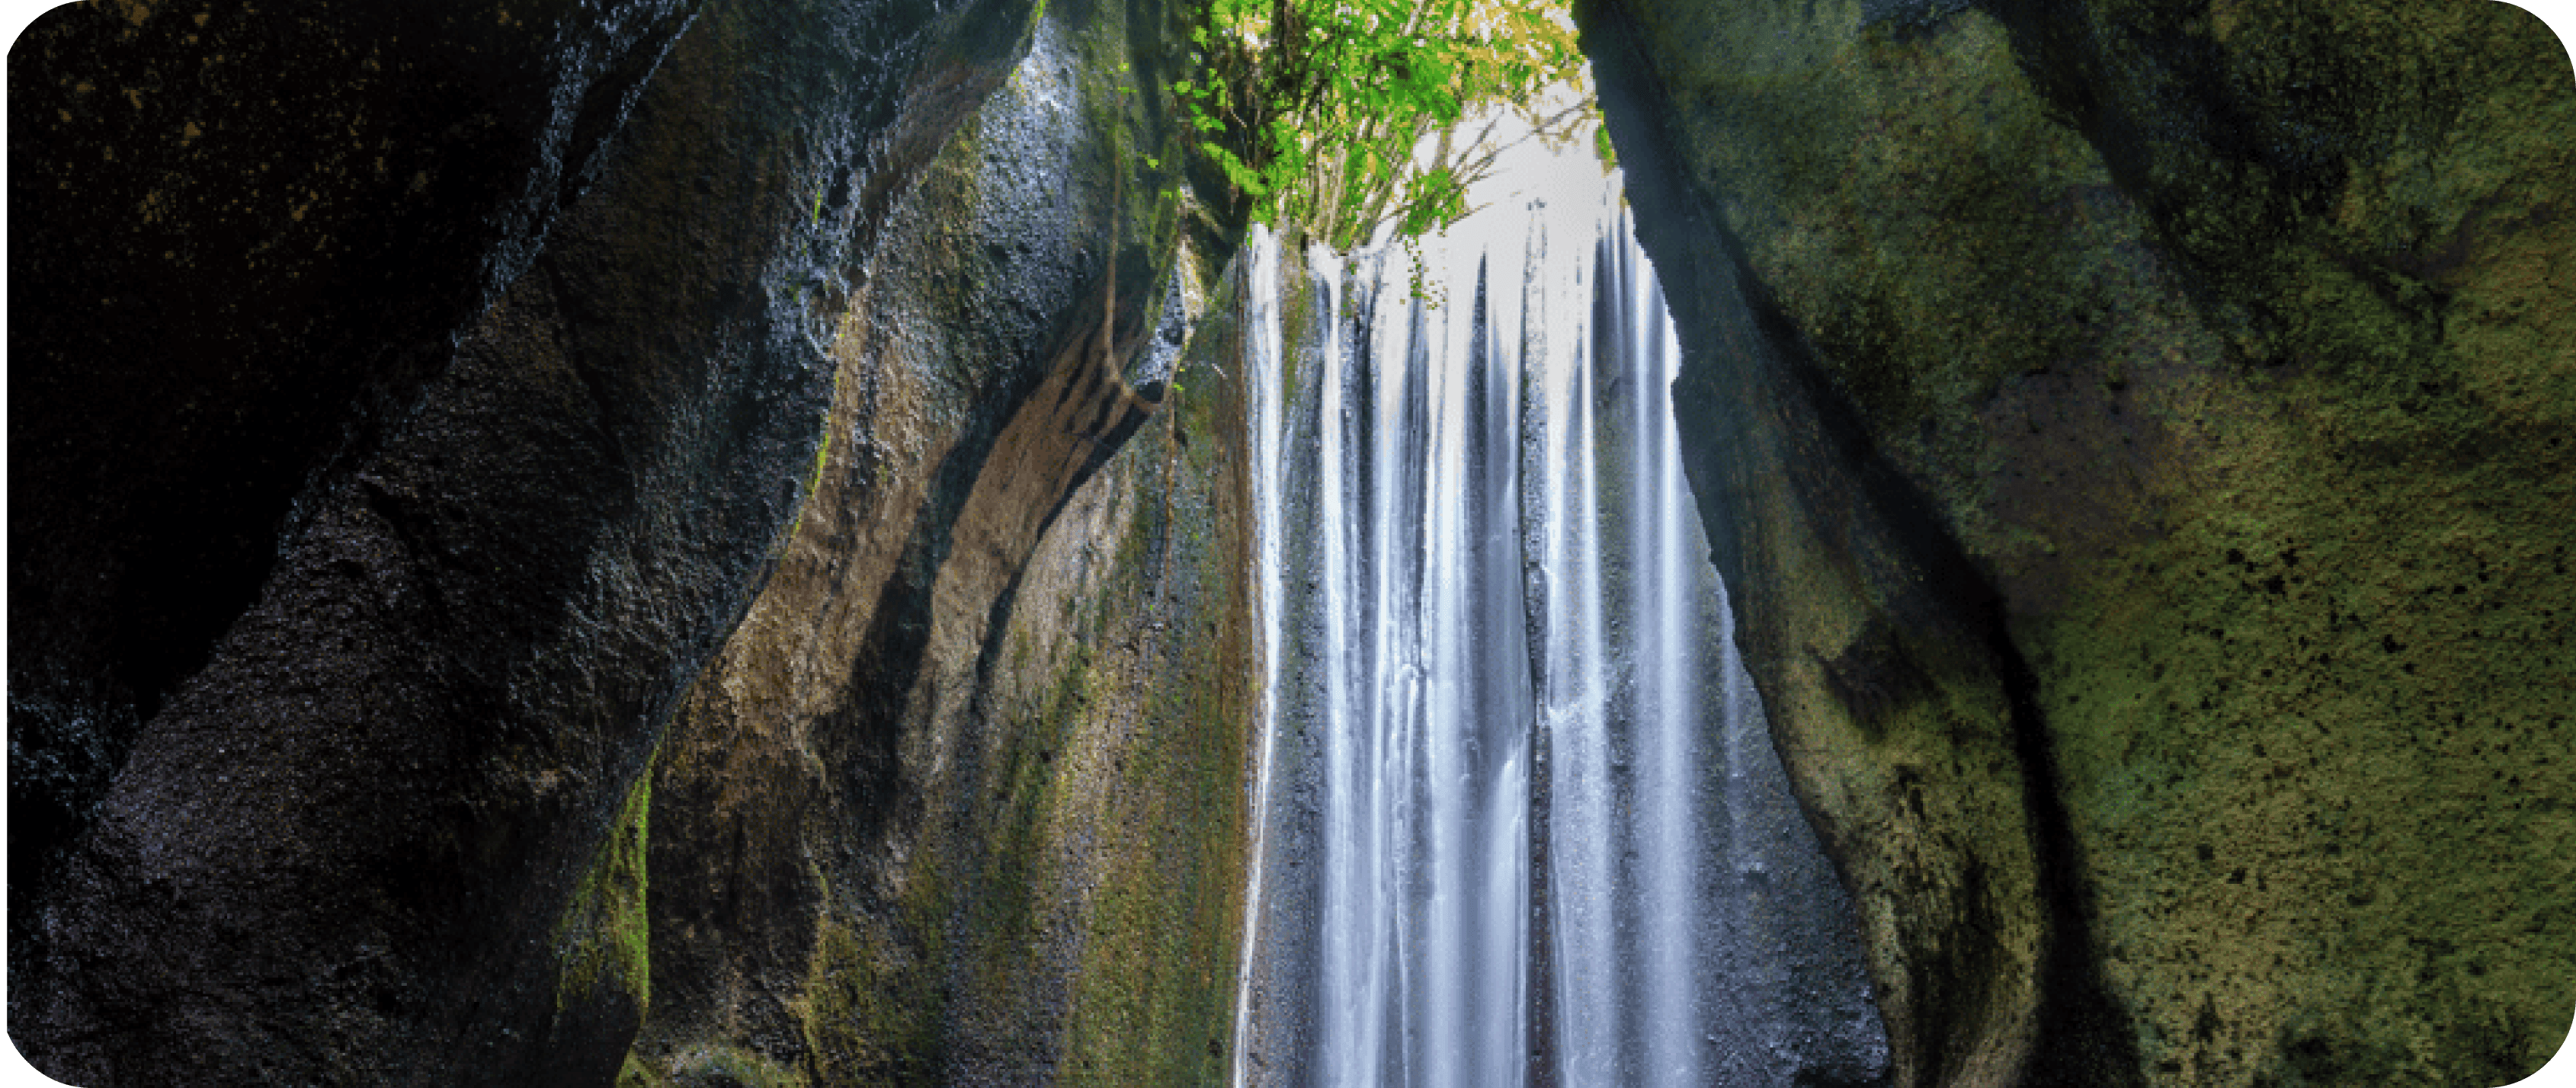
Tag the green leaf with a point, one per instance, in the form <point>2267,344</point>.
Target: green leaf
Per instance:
<point>1313,107</point>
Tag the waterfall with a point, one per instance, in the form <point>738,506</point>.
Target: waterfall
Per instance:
<point>1263,375</point>
<point>1518,818</point>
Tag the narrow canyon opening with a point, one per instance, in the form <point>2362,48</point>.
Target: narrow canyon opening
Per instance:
<point>1519,817</point>
<point>740,542</point>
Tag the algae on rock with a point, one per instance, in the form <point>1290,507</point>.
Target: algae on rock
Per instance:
<point>959,799</point>
<point>2136,436</point>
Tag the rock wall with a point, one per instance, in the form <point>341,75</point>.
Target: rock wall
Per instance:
<point>244,243</point>
<point>962,799</point>
<point>368,539</point>
<point>2138,439</point>
<point>639,541</point>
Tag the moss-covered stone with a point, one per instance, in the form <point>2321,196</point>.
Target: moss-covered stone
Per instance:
<point>604,947</point>
<point>1153,1003</point>
<point>960,800</point>
<point>603,930</point>
<point>2135,433</point>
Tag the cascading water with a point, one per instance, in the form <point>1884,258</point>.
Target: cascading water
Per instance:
<point>1519,819</point>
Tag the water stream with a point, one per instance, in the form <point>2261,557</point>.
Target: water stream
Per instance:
<point>1520,820</point>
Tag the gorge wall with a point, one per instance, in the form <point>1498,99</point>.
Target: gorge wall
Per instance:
<point>2138,438</point>
<point>428,416</point>
<point>707,541</point>
<point>960,801</point>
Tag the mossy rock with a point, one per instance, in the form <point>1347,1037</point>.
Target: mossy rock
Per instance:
<point>2136,434</point>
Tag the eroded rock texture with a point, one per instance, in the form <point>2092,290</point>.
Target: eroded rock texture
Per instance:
<point>367,539</point>
<point>242,244</point>
<point>2141,438</point>
<point>961,800</point>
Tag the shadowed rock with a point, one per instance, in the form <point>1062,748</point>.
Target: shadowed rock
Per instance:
<point>389,832</point>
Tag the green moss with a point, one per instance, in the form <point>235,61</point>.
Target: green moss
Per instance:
<point>1002,915</point>
<point>870,1010</point>
<point>2216,336</point>
<point>1121,99</point>
<point>1150,1006</point>
<point>1152,1000</point>
<point>2304,755</point>
<point>604,934</point>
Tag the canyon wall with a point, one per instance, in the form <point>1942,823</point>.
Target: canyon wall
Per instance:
<point>962,800</point>
<point>411,403</point>
<point>2138,440</point>
<point>706,541</point>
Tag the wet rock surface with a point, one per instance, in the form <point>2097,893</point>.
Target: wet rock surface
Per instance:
<point>2135,435</point>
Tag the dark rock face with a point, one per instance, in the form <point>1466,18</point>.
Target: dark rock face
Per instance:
<point>541,555</point>
<point>2136,435</point>
<point>539,452</point>
<point>242,244</point>
<point>960,800</point>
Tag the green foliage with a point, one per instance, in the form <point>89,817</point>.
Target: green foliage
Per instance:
<point>1315,108</point>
